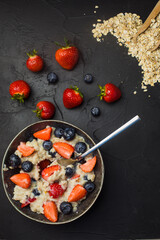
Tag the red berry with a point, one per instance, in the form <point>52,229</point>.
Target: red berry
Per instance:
<point>34,62</point>
<point>72,97</point>
<point>67,56</point>
<point>45,110</point>
<point>109,93</point>
<point>29,200</point>
<point>56,190</point>
<point>19,90</point>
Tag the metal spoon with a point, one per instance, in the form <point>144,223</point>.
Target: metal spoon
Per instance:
<point>66,162</point>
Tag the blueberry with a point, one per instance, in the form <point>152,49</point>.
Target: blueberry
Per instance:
<point>95,111</point>
<point>33,180</point>
<point>36,192</point>
<point>88,78</point>
<point>47,145</point>
<point>82,161</point>
<point>52,78</point>
<point>53,154</point>
<point>89,186</point>
<point>69,172</point>
<point>31,138</point>
<point>59,132</point>
<point>14,161</point>
<point>69,133</point>
<point>66,208</point>
<point>27,166</point>
<point>80,147</point>
<point>85,177</point>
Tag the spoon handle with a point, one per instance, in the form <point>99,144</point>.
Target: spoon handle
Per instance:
<point>115,133</point>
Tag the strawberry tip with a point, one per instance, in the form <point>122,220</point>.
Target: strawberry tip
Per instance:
<point>38,112</point>
<point>19,97</point>
<point>102,94</point>
<point>32,54</point>
<point>67,44</point>
<point>75,88</point>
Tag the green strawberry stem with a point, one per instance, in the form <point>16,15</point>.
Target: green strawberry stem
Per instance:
<point>38,112</point>
<point>19,97</point>
<point>103,93</point>
<point>75,88</point>
<point>32,54</point>
<point>68,45</point>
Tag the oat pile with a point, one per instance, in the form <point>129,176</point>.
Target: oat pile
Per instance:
<point>124,27</point>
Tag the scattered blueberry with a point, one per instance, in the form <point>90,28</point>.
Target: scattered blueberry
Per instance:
<point>14,161</point>
<point>80,147</point>
<point>52,78</point>
<point>85,177</point>
<point>69,172</point>
<point>82,161</point>
<point>69,133</point>
<point>47,145</point>
<point>59,132</point>
<point>53,154</point>
<point>66,207</point>
<point>88,78</point>
<point>27,166</point>
<point>89,186</point>
<point>36,192</point>
<point>95,111</point>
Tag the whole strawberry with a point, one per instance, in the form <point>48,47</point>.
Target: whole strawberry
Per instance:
<point>109,93</point>
<point>34,62</point>
<point>67,56</point>
<point>45,110</point>
<point>19,90</point>
<point>72,97</point>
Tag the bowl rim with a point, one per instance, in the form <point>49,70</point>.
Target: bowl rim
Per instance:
<point>100,186</point>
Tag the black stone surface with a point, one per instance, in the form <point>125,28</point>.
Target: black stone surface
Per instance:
<point>129,204</point>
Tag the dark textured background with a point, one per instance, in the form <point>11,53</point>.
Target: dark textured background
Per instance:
<point>129,204</point>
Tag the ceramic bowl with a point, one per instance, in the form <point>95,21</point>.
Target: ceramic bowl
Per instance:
<point>9,186</point>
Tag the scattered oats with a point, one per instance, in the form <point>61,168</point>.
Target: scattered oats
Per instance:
<point>145,90</point>
<point>94,25</point>
<point>94,11</point>
<point>135,92</point>
<point>84,14</point>
<point>96,6</point>
<point>124,26</point>
<point>120,44</point>
<point>149,95</point>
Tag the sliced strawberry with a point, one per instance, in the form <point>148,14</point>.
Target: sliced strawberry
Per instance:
<point>47,172</point>
<point>22,180</point>
<point>75,176</point>
<point>77,193</point>
<point>50,211</point>
<point>43,134</point>
<point>56,190</point>
<point>25,150</point>
<point>29,200</point>
<point>43,164</point>
<point>65,150</point>
<point>89,165</point>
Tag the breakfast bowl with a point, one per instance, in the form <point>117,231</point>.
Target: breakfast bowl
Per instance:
<point>7,172</point>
